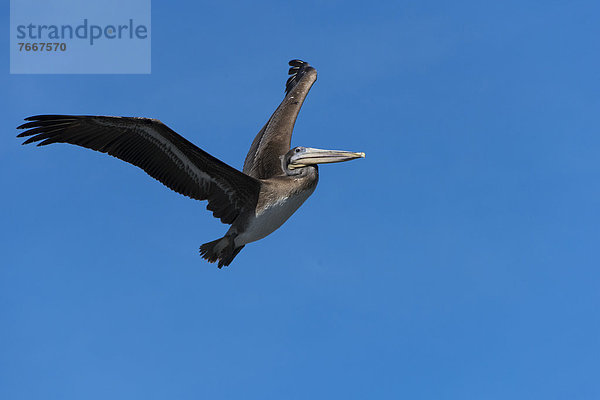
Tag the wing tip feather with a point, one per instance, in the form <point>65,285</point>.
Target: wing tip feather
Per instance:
<point>298,69</point>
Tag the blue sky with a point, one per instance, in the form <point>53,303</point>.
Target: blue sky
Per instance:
<point>459,260</point>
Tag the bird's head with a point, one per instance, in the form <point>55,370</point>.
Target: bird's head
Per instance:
<point>302,157</point>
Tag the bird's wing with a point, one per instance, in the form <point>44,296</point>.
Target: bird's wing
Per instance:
<point>158,150</point>
<point>263,160</point>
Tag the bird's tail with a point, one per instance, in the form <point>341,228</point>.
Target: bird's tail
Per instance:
<point>223,250</point>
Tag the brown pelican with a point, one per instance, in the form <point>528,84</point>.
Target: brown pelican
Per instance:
<point>275,180</point>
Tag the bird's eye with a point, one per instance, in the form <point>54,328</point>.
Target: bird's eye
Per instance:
<point>297,150</point>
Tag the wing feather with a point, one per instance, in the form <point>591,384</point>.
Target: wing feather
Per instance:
<point>158,150</point>
<point>273,141</point>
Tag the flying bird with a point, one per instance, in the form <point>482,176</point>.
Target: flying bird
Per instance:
<point>273,184</point>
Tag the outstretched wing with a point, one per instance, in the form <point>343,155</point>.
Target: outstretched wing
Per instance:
<point>263,160</point>
<point>158,150</point>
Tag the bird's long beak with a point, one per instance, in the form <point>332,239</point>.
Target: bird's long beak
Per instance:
<point>310,156</point>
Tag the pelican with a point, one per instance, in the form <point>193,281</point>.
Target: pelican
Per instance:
<point>273,184</point>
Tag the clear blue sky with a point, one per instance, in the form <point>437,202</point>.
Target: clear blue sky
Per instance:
<point>459,260</point>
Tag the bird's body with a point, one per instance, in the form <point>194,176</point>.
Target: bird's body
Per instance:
<point>279,198</point>
<point>274,183</point>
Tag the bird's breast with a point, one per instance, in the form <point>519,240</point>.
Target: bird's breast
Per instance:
<point>271,216</point>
